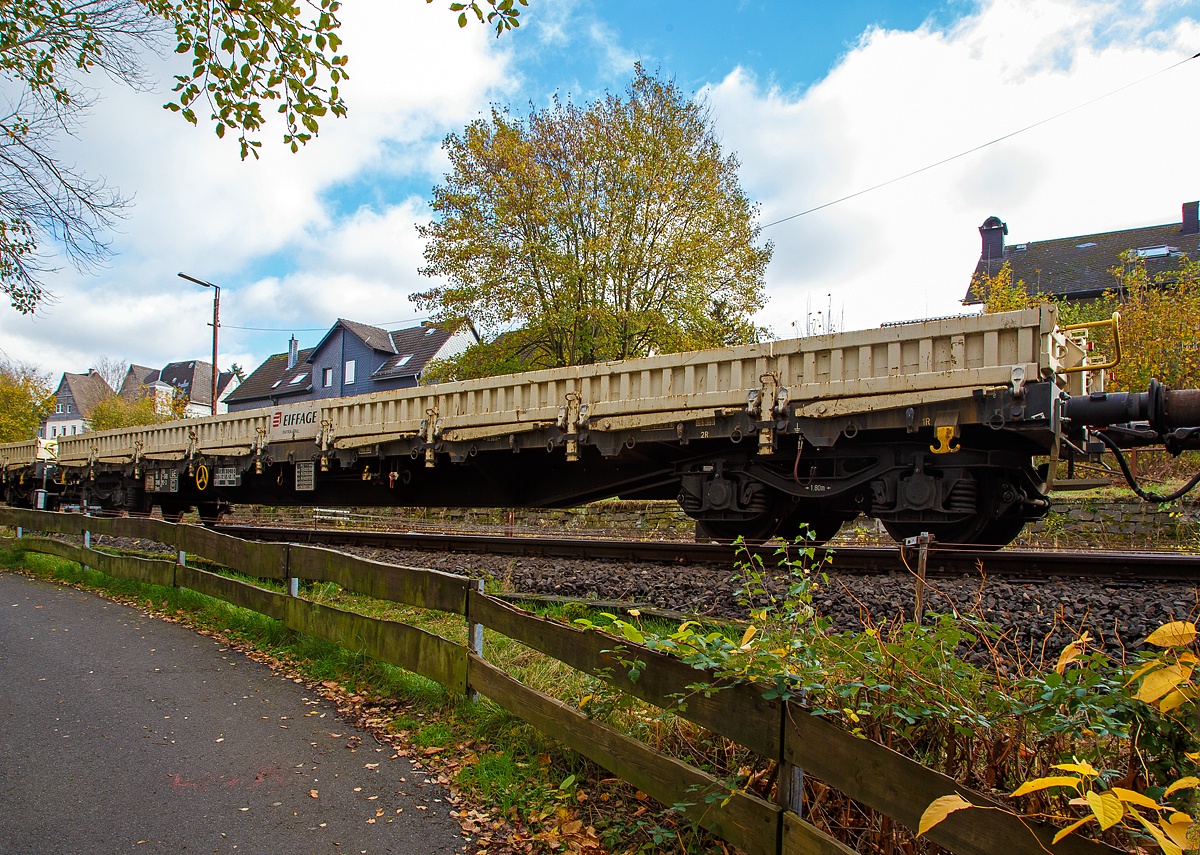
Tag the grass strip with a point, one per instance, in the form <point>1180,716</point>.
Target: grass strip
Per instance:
<point>515,785</point>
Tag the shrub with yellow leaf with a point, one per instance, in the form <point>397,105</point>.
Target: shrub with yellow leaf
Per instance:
<point>1166,681</point>
<point>1160,317</point>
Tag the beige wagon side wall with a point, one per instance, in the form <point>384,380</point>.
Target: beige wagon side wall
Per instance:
<point>907,360</point>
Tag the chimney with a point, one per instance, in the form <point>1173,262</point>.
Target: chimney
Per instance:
<point>1190,224</point>
<point>993,231</point>
<point>293,352</point>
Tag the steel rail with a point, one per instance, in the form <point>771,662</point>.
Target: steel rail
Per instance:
<point>1030,564</point>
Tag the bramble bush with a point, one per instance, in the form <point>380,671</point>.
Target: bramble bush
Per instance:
<point>1117,727</point>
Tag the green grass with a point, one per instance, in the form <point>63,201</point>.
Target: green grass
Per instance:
<point>513,770</point>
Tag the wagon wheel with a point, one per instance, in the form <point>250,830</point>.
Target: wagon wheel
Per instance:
<point>982,530</point>
<point>756,529</point>
<point>824,525</point>
<point>211,513</point>
<point>173,511</point>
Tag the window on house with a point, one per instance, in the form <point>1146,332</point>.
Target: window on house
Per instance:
<point>403,360</point>
<point>73,430</point>
<point>297,379</point>
<point>327,377</point>
<point>58,408</point>
<point>349,370</point>
<point>68,408</point>
<point>276,383</point>
<point>54,431</point>
<point>1154,251</point>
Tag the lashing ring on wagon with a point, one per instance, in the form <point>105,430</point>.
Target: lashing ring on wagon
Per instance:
<point>737,435</point>
<point>550,445</point>
<point>630,441</point>
<point>414,452</point>
<point>850,431</point>
<point>997,421</point>
<point>473,450</point>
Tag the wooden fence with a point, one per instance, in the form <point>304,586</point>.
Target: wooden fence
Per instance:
<point>866,771</point>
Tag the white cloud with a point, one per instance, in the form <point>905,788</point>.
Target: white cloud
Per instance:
<point>278,235</point>
<point>901,100</point>
<point>414,76</point>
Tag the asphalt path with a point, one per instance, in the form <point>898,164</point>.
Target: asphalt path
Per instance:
<point>120,733</point>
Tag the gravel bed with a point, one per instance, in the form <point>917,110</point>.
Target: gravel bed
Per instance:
<point>1035,616</point>
<point>1038,618</point>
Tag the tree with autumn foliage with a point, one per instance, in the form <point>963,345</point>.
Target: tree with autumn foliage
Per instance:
<point>246,57</point>
<point>588,232</point>
<point>26,398</point>
<point>146,408</point>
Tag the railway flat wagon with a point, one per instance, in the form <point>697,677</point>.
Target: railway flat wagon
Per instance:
<point>930,426</point>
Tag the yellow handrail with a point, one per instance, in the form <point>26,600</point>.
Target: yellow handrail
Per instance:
<point>1113,323</point>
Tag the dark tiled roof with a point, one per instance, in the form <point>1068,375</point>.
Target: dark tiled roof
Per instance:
<point>414,348</point>
<point>1081,266</point>
<point>260,385</point>
<point>87,390</point>
<point>223,381</point>
<point>373,337</point>
<point>193,378</point>
<point>135,378</point>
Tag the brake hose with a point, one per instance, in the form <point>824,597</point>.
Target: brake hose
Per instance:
<point>1133,485</point>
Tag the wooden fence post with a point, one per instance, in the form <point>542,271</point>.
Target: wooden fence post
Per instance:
<point>789,778</point>
<point>293,582</point>
<point>474,635</point>
<point>922,542</point>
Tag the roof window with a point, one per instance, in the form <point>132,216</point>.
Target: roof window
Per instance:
<point>297,379</point>
<point>276,383</point>
<point>430,330</point>
<point>403,360</point>
<point>1085,245</point>
<point>1154,251</point>
<point>1018,247</point>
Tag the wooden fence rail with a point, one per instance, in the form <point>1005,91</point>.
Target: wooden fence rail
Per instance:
<point>866,771</point>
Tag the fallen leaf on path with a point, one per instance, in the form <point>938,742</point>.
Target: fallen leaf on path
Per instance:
<point>312,793</point>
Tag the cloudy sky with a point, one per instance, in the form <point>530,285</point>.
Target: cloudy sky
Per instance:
<point>818,100</point>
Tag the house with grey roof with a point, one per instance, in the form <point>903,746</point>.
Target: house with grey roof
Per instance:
<point>74,399</point>
<point>1080,267</point>
<point>189,381</point>
<point>350,359</point>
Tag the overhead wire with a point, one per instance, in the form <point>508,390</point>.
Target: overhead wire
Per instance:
<point>983,145</point>
<point>315,329</point>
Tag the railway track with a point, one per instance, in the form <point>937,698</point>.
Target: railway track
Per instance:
<point>943,560</point>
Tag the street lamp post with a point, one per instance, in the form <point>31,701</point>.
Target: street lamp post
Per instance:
<point>216,322</point>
